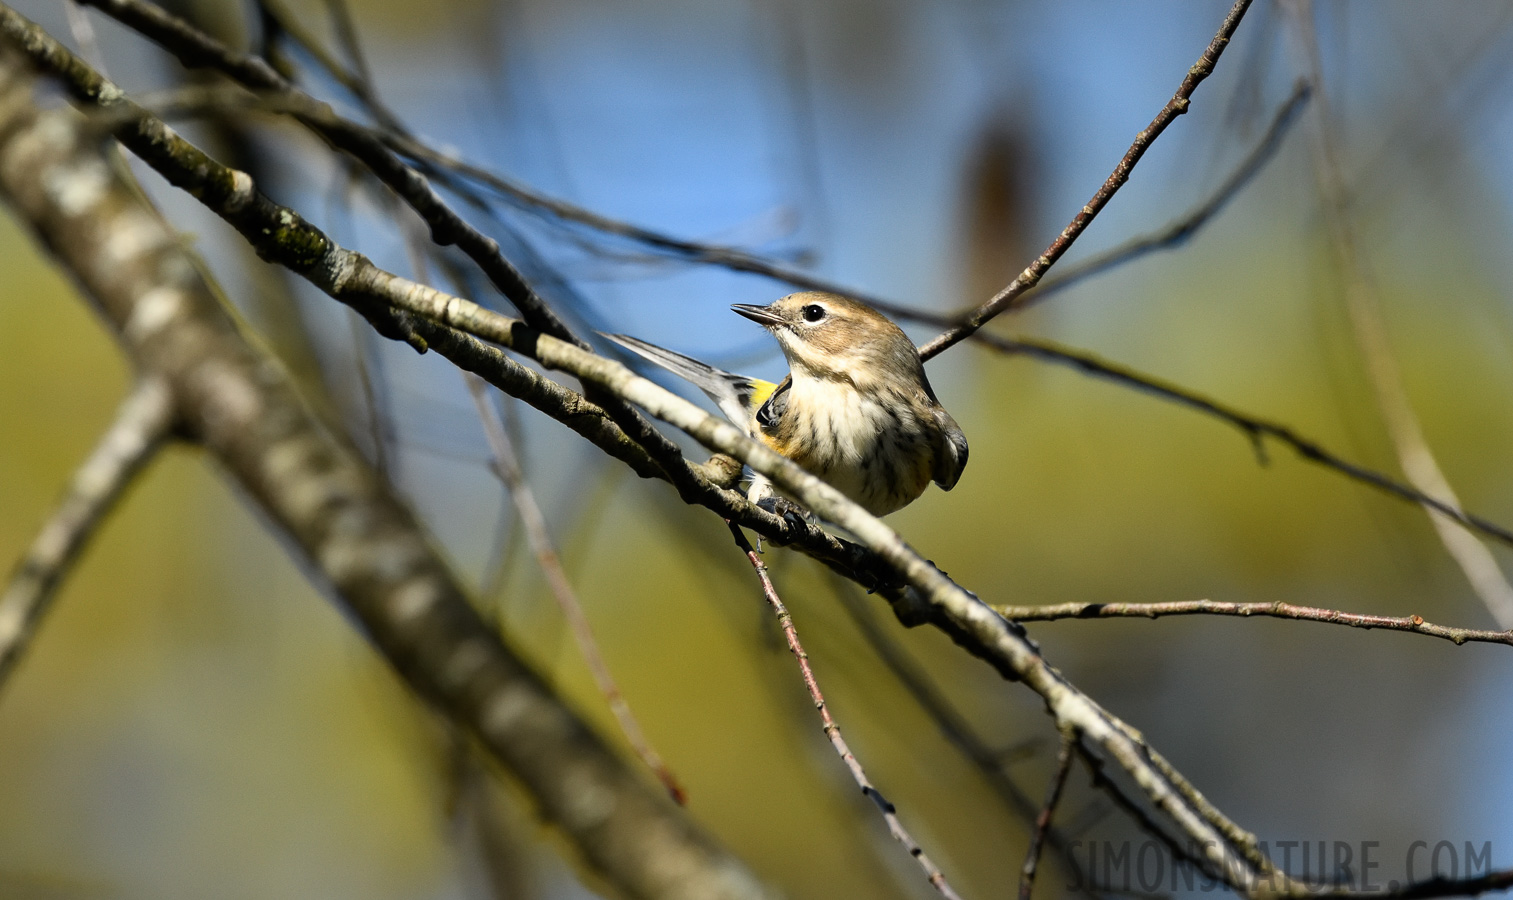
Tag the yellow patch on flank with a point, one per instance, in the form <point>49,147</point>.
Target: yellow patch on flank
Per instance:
<point>761,392</point>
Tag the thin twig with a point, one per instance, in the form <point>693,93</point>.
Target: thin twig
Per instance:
<point>434,162</point>
<point>1178,231</point>
<point>1368,327</point>
<point>991,762</point>
<point>194,48</point>
<point>341,522</point>
<point>1043,820</point>
<point>399,306</point>
<point>1176,106</point>
<point>507,467</point>
<point>83,32</point>
<point>1254,427</point>
<point>1277,610</point>
<point>199,49</point>
<point>832,730</point>
<point>141,425</point>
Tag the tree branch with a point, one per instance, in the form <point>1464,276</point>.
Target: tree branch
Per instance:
<point>1043,820</point>
<point>1254,427</point>
<point>507,466</point>
<point>197,49</point>
<point>333,509</point>
<point>1277,610</point>
<point>282,236</point>
<point>833,731</point>
<point>1008,298</point>
<point>140,428</point>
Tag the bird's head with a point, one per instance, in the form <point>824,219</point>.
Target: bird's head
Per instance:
<point>833,337</point>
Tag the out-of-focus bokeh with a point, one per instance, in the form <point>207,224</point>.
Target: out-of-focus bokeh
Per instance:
<point>196,719</point>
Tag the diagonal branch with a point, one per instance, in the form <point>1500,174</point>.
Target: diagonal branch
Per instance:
<point>1369,328</point>
<point>195,48</point>
<point>1043,820</point>
<point>282,236</point>
<point>832,730</point>
<point>334,511</point>
<point>142,425</point>
<point>1177,232</point>
<point>1009,297</point>
<point>507,465</point>
<point>1254,427</point>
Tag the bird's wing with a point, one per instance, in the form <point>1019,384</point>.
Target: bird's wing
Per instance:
<point>951,451</point>
<point>737,396</point>
<point>951,455</point>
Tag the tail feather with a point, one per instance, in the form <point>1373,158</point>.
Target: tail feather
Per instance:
<point>732,393</point>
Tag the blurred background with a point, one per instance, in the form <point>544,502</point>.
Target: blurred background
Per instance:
<point>196,719</point>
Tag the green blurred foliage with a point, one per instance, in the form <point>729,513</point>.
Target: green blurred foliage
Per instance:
<point>196,719</point>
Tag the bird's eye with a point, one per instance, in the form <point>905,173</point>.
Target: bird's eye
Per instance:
<point>813,312</point>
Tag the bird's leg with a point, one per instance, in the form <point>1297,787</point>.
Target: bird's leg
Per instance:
<point>797,517</point>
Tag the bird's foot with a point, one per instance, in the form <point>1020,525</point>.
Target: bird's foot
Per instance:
<point>797,517</point>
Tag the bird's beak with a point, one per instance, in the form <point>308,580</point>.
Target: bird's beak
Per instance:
<point>762,315</point>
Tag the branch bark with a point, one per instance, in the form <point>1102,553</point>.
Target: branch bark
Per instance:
<point>1277,610</point>
<point>1008,298</point>
<point>389,300</point>
<point>333,510</point>
<point>132,441</point>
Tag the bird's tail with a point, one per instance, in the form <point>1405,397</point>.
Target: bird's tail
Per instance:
<point>737,396</point>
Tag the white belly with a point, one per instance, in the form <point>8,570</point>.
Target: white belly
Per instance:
<point>875,452</point>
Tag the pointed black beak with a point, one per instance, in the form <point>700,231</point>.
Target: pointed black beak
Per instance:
<point>762,315</point>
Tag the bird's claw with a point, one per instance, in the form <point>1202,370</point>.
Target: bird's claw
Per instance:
<point>797,517</point>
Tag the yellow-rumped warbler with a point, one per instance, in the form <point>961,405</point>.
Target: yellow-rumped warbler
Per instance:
<point>856,408</point>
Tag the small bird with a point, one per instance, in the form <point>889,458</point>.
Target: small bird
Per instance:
<point>856,408</point>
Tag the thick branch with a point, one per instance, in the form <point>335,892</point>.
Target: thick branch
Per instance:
<point>281,235</point>
<point>140,428</point>
<point>195,49</point>
<point>335,511</point>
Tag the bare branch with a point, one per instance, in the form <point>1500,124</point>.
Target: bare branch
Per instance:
<point>832,730</point>
<point>1008,298</point>
<point>1254,427</point>
<point>990,761</point>
<point>141,425</point>
<point>333,509</point>
<point>1043,820</point>
<point>1277,610</point>
<point>507,466</point>
<point>1178,231</point>
<point>1369,328</point>
<point>195,48</point>
<point>283,236</point>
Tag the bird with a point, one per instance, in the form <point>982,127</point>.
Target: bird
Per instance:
<point>856,408</point>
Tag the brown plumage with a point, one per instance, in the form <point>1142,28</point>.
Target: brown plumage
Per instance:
<point>856,408</point>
